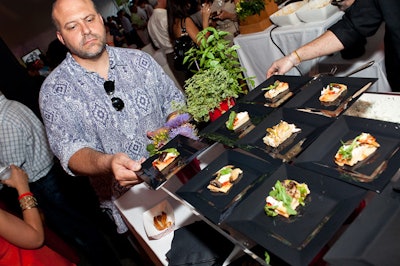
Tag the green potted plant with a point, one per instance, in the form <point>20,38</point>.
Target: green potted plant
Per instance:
<point>218,74</point>
<point>208,89</point>
<point>212,50</point>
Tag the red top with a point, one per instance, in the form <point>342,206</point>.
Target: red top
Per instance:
<point>44,256</point>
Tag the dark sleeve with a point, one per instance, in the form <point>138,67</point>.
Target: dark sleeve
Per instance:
<point>361,20</point>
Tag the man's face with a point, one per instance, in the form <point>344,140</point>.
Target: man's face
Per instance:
<point>80,28</point>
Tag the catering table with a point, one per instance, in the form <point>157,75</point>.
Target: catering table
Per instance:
<point>139,199</point>
<point>259,50</point>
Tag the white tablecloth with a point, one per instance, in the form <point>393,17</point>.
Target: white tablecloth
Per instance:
<point>258,51</point>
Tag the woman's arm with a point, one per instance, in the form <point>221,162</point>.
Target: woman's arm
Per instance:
<point>27,233</point>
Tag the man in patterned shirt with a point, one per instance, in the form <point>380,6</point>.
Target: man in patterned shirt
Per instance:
<point>100,102</point>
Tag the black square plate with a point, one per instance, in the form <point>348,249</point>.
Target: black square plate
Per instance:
<point>188,150</point>
<point>299,238</point>
<point>256,96</point>
<point>215,206</point>
<point>374,172</point>
<point>217,130</point>
<point>308,99</point>
<point>311,126</point>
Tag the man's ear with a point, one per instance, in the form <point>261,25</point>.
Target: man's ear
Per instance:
<point>60,38</point>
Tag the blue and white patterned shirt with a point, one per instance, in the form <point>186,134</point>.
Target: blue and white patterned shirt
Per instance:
<point>23,139</point>
<point>78,113</point>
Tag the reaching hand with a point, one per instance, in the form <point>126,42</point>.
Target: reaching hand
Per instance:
<point>280,66</point>
<point>18,179</point>
<point>124,169</point>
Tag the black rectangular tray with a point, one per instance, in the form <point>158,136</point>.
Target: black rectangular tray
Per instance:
<point>217,130</point>
<point>373,173</point>
<point>256,96</point>
<point>311,126</point>
<point>214,205</point>
<point>297,239</point>
<point>188,149</point>
<point>307,99</point>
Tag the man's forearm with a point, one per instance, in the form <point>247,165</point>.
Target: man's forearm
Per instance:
<point>88,162</point>
<point>326,44</point>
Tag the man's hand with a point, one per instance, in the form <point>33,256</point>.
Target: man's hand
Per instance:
<point>124,169</point>
<point>280,66</point>
<point>342,4</point>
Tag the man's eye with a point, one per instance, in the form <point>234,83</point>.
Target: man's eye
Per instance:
<point>71,27</point>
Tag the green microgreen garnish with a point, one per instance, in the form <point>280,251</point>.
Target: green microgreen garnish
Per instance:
<point>272,86</point>
<point>231,120</point>
<point>346,150</point>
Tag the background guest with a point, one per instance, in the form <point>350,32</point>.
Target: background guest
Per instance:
<point>130,33</point>
<point>23,142</point>
<point>22,240</point>
<point>179,24</point>
<point>225,18</point>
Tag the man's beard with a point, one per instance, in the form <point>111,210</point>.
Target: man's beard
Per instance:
<point>86,54</point>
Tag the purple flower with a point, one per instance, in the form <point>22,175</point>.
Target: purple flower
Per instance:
<point>186,130</point>
<point>178,120</point>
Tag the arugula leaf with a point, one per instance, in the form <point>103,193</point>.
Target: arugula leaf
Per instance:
<point>225,171</point>
<point>169,150</point>
<point>231,120</point>
<point>267,257</point>
<point>272,86</point>
<point>346,150</point>
<point>279,193</point>
<point>270,210</point>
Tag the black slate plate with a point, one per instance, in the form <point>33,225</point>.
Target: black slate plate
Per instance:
<point>311,126</point>
<point>296,239</point>
<point>373,173</point>
<point>215,206</point>
<point>217,130</point>
<point>256,96</point>
<point>188,149</point>
<point>308,99</point>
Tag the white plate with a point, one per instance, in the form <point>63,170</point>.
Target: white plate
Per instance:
<point>148,222</point>
<point>287,14</point>
<point>316,10</point>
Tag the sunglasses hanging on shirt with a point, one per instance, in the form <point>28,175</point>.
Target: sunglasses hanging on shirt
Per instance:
<point>117,103</point>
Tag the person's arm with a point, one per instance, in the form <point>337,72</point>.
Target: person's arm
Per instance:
<point>205,15</point>
<point>27,233</point>
<point>326,44</point>
<point>88,162</point>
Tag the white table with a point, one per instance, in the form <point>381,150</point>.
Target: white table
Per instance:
<point>140,198</point>
<point>257,51</point>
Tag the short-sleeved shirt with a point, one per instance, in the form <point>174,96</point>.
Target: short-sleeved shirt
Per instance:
<point>158,30</point>
<point>23,140</point>
<point>78,113</point>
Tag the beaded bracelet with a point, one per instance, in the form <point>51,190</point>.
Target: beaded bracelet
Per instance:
<point>28,202</point>
<point>25,194</point>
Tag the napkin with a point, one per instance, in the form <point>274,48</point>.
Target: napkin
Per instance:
<point>198,244</point>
